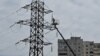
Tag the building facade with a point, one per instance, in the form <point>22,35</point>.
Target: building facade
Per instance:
<point>76,43</point>
<point>88,48</point>
<point>97,49</point>
<point>80,47</point>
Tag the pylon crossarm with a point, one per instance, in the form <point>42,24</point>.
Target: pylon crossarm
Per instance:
<point>27,40</point>
<point>24,22</point>
<point>46,11</point>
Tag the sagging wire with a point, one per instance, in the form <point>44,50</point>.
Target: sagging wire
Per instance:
<point>51,45</point>
<point>4,32</point>
<point>11,14</point>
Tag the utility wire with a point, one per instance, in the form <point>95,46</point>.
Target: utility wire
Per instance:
<point>5,30</point>
<point>48,40</point>
<point>10,14</point>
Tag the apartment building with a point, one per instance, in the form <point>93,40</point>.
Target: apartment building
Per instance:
<point>76,43</point>
<point>88,48</point>
<point>97,49</point>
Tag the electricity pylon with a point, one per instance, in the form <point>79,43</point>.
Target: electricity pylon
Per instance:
<point>37,26</point>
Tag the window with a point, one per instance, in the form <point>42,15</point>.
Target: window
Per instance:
<point>91,52</point>
<point>91,55</point>
<point>86,45</point>
<point>79,47</point>
<point>86,52</point>
<point>91,43</point>
<point>62,53</point>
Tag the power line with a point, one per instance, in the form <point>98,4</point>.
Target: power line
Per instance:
<point>5,30</point>
<point>10,14</point>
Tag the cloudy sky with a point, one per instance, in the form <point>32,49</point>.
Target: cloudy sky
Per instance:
<point>77,18</point>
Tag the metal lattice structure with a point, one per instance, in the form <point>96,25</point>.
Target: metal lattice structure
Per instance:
<point>36,28</point>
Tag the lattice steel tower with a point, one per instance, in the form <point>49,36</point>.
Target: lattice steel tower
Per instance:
<point>37,25</point>
<point>36,28</point>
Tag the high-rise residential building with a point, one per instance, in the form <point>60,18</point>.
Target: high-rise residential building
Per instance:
<point>88,48</point>
<point>80,47</point>
<point>97,49</point>
<point>76,43</point>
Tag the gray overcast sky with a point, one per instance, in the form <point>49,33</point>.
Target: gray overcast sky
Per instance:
<point>77,18</point>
